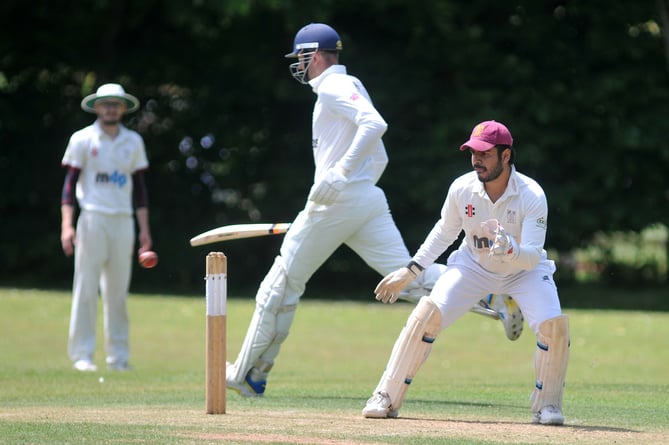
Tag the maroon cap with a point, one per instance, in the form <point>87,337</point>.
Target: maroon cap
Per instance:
<point>486,135</point>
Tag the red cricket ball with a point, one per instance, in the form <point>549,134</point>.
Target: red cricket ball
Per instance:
<point>148,259</point>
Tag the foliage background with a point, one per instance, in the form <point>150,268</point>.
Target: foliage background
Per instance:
<point>582,85</point>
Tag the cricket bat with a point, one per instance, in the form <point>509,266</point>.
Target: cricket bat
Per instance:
<point>238,231</point>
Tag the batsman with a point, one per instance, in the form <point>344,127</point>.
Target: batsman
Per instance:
<point>504,215</point>
<point>344,206</point>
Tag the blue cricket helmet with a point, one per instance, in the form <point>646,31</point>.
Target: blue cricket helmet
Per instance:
<point>316,36</point>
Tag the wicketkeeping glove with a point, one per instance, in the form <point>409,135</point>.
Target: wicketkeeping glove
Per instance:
<point>326,190</point>
<point>504,247</point>
<point>388,290</point>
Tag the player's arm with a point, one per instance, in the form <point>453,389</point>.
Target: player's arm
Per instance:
<point>141,203</point>
<point>67,206</point>
<point>442,235</point>
<point>533,234</point>
<point>444,232</point>
<point>370,127</point>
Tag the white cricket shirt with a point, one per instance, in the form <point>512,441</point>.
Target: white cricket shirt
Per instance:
<point>522,210</point>
<point>107,165</point>
<point>346,128</point>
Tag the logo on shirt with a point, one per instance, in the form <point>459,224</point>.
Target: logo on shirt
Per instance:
<point>94,152</point>
<point>355,96</point>
<point>470,210</point>
<point>117,178</point>
<point>541,222</point>
<point>511,216</point>
<point>481,243</point>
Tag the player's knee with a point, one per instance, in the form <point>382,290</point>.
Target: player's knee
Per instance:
<point>272,290</point>
<point>553,329</point>
<point>428,314</point>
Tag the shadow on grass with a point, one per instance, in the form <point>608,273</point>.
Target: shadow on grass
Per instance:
<point>588,428</point>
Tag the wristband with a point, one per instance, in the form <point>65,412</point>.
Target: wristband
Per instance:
<point>415,268</point>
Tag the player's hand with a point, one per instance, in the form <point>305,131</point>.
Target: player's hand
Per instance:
<point>326,190</point>
<point>68,238</point>
<point>145,241</point>
<point>388,290</point>
<point>504,247</point>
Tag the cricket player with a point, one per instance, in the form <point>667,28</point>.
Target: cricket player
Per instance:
<point>106,164</point>
<point>504,216</point>
<point>344,206</point>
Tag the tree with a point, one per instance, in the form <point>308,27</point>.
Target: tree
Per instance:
<point>582,85</point>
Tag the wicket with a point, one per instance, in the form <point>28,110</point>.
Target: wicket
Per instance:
<point>216,301</point>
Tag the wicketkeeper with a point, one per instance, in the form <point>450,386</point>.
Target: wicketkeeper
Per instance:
<point>504,215</point>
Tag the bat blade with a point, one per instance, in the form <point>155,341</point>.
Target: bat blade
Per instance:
<point>238,231</point>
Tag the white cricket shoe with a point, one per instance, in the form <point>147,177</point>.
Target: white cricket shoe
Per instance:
<point>509,313</point>
<point>549,415</point>
<point>85,365</point>
<point>379,407</point>
<point>252,386</point>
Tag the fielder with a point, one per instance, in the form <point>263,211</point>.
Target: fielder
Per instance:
<point>344,206</point>
<point>106,164</point>
<point>504,215</point>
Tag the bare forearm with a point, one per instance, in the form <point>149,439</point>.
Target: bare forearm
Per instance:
<point>66,216</point>
<point>67,232</point>
<point>145,241</point>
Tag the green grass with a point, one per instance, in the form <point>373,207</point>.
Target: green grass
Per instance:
<point>474,388</point>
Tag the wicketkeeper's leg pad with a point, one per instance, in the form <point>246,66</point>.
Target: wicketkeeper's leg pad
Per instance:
<point>411,349</point>
<point>269,326</point>
<point>550,362</point>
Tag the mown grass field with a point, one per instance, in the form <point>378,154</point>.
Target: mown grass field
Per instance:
<point>474,389</point>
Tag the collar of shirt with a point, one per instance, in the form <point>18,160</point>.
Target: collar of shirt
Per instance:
<point>98,129</point>
<point>315,83</point>
<point>511,187</point>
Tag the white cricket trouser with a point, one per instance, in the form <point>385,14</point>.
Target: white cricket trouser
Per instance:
<point>464,281</point>
<point>102,265</point>
<point>360,219</point>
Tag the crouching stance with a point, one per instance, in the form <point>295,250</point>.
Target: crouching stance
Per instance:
<point>414,345</point>
<point>503,214</point>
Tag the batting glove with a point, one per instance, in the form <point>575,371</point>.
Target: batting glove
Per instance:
<point>326,190</point>
<point>504,247</point>
<point>388,290</point>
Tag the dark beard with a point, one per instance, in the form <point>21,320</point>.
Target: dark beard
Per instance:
<point>493,174</point>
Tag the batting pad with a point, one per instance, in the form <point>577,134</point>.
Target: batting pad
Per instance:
<point>550,362</point>
<point>269,326</point>
<point>410,351</point>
